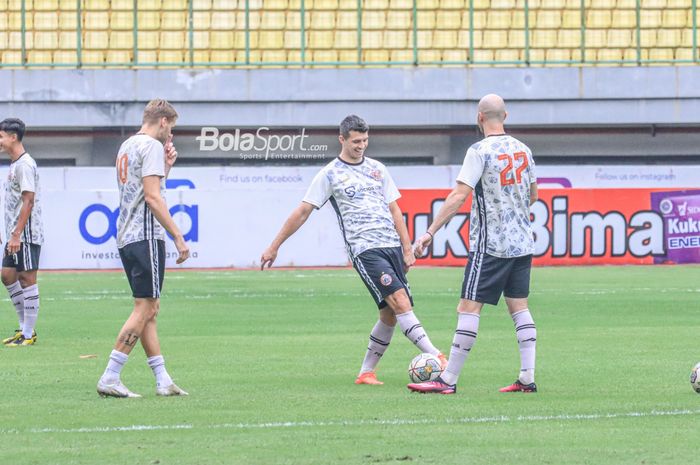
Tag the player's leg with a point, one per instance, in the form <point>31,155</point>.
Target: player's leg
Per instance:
<point>516,292</point>
<point>402,306</point>
<point>379,340</point>
<point>14,289</point>
<point>26,274</point>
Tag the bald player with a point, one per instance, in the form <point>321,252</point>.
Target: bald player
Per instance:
<point>500,172</point>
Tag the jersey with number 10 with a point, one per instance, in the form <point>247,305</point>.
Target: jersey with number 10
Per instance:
<point>500,169</point>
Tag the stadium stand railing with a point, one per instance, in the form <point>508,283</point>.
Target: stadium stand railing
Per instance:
<point>345,33</point>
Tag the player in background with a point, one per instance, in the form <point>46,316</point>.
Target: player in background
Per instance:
<point>24,232</point>
<point>500,171</point>
<point>364,195</point>
<point>143,163</point>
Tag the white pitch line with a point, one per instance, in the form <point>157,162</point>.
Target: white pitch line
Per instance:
<point>389,422</point>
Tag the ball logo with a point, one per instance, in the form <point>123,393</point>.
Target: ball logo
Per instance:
<point>112,216</point>
<point>385,279</point>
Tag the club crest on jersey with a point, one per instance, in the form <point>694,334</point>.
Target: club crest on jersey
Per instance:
<point>385,279</point>
<point>376,175</point>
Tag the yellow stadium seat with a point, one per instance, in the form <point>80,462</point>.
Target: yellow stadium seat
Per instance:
<point>557,54</point>
<point>424,39</point>
<point>345,40</point>
<point>624,18</point>
<point>172,40</point>
<point>498,19</point>
<point>668,38</point>
<point>322,20</point>
<point>200,40</point>
<point>674,18</point>
<point>373,20</point>
<point>67,5</point>
<point>92,57</point>
<point>395,39</point>
<point>503,4</point>
<point>45,5</point>
<point>96,5</point>
<point>224,21</point>
<point>253,19</point>
<point>98,40</point>
<point>478,19</point>
<point>653,4</point>
<point>45,40</point>
<point>571,19</point>
<point>37,57</point>
<point>346,20</point>
<point>46,21</point>
<point>376,4</point>
<point>453,4</point>
<point>308,4</point>
<point>429,56</point>
<point>482,56</point>
<point>518,20</point>
<point>201,20</point>
<point>201,56</point>
<point>176,5</point>
<point>273,56</point>
<point>239,40</point>
<point>4,23</point>
<point>201,5</point>
<point>11,58</point>
<point>294,20</point>
<point>687,38</point>
<point>496,39</point>
<point>222,56</point>
<point>569,38</point>
<point>331,5</point>
<point>116,5</point>
<point>532,4</point>
<point>348,56</point>
<point>609,54</point>
<point>444,39</point>
<point>647,38</point>
<point>375,56</point>
<point>170,56</point>
<point>15,40</point>
<point>270,40</point>
<point>456,56</point>
<point>347,4</point>
<point>147,40</point>
<point>65,57</point>
<point>552,4</point>
<point>272,20</point>
<point>398,20</point>
<point>322,40</point>
<point>661,54</point>
<point>678,3</point>
<point>292,39</point>
<point>67,20</point>
<point>405,56</point>
<point>117,56</point>
<point>598,19</point>
<point>596,38</point>
<point>482,4</point>
<point>464,38</point>
<point>3,40</point>
<point>515,37</point>
<point>174,20</point>
<point>400,4</point>
<point>121,40</point>
<point>548,19</point>
<point>602,4</point>
<point>146,56</point>
<point>325,56</point>
<point>619,38</point>
<point>372,39</point>
<point>96,21</point>
<point>121,20</point>
<point>274,5</point>
<point>148,20</point>
<point>67,40</point>
<point>685,54</point>
<point>507,55</point>
<point>425,19</point>
<point>544,38</point>
<point>448,20</point>
<point>627,4</point>
<point>589,55</point>
<point>650,18</point>
<point>427,4</point>
<point>150,5</point>
<point>16,5</point>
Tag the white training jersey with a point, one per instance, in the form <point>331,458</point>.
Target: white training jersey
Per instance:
<point>500,169</point>
<point>23,177</point>
<point>360,195</point>
<point>139,156</point>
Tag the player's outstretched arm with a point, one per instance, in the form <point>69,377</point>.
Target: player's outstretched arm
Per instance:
<point>452,204</point>
<point>293,223</point>
<point>408,257</point>
<point>156,202</point>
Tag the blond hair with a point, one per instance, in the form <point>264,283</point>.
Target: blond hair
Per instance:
<point>157,109</point>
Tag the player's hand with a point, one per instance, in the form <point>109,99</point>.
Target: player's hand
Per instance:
<point>170,152</point>
<point>420,245</point>
<point>13,245</point>
<point>268,257</point>
<point>182,249</point>
<point>408,260</point>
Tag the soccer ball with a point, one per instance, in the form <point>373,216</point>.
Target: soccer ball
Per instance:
<point>695,378</point>
<point>423,368</point>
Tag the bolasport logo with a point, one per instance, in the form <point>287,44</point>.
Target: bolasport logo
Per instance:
<point>261,144</point>
<point>98,222</point>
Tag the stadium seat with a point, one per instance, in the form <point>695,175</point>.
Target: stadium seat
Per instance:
<point>444,39</point>
<point>98,40</point>
<point>200,41</point>
<point>121,20</point>
<point>396,56</point>
<point>674,18</point>
<point>596,38</point>
<point>518,20</point>
<point>455,55</point>
<point>427,4</point>
<point>121,40</point>
<point>201,20</point>
<point>398,20</point>
<point>626,4</point>
<point>569,38</point>
<point>448,20</point>
<point>552,4</point>
<point>687,38</point>
<point>45,40</point>
<point>497,19</point>
<point>148,40</point>
<point>327,56</point>
<point>668,38</point>
<point>376,4</point>
<point>498,39</point>
<point>116,5</point>
<point>4,42</point>
<point>503,4</point>
<point>118,56</point>
<point>225,5</point>
<point>375,56</point>
<point>222,56</point>
<point>65,57</point>
<point>619,38</point>
<point>46,5</point>
<point>67,21</point>
<point>150,5</point>
<point>224,21</point>
<point>15,40</point>
<point>322,20</point>
<point>270,40</point>
<point>571,19</point>
<point>650,18</point>
<point>453,4</point>
<point>345,40</point>
<point>647,38</point>
<point>330,5</point>
<point>609,54</point>
<point>45,21</point>
<point>94,57</point>
<point>11,57</point>
<point>324,40</point>
<point>201,5</point>
<point>273,20</point>
<point>661,54</point>
<point>546,38</point>
<point>509,55</point>
<point>347,20</point>
<point>685,54</point>
<point>424,39</point>
<point>651,4</point>
<point>395,39</point>
<point>429,56</point>
<point>624,18</point>
<point>96,21</point>
<point>372,39</point>
<point>292,39</point>
<point>97,5</point>
<point>274,5</point>
<point>557,54</point>
<point>174,20</point>
<point>425,19</point>
<point>172,40</point>
<point>464,37</point>
<point>293,20</point>
<point>67,40</point>
<point>240,40</point>
<point>373,20</point>
<point>175,5</point>
<point>548,19</point>
<point>253,19</point>
<point>39,57</point>
<point>400,5</point>
<point>598,19</point>
<point>482,56</point>
<point>148,20</point>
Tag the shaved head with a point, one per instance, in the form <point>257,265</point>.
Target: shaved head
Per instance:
<point>492,107</point>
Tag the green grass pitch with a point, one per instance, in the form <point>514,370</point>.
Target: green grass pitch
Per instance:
<point>269,359</point>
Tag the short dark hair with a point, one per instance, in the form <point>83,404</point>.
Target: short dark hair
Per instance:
<point>13,125</point>
<point>352,123</point>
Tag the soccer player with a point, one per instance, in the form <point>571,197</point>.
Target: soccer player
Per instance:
<point>364,196</point>
<point>143,163</point>
<point>24,231</point>
<point>500,172</point>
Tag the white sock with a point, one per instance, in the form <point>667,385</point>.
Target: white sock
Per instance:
<point>465,335</point>
<point>414,331</point>
<point>526,332</point>
<point>157,364</point>
<point>379,340</point>
<point>31,309</point>
<point>114,367</point>
<point>17,298</point>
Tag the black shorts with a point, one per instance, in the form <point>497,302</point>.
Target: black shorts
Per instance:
<point>486,277</point>
<point>382,272</point>
<point>144,264</point>
<point>26,258</point>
